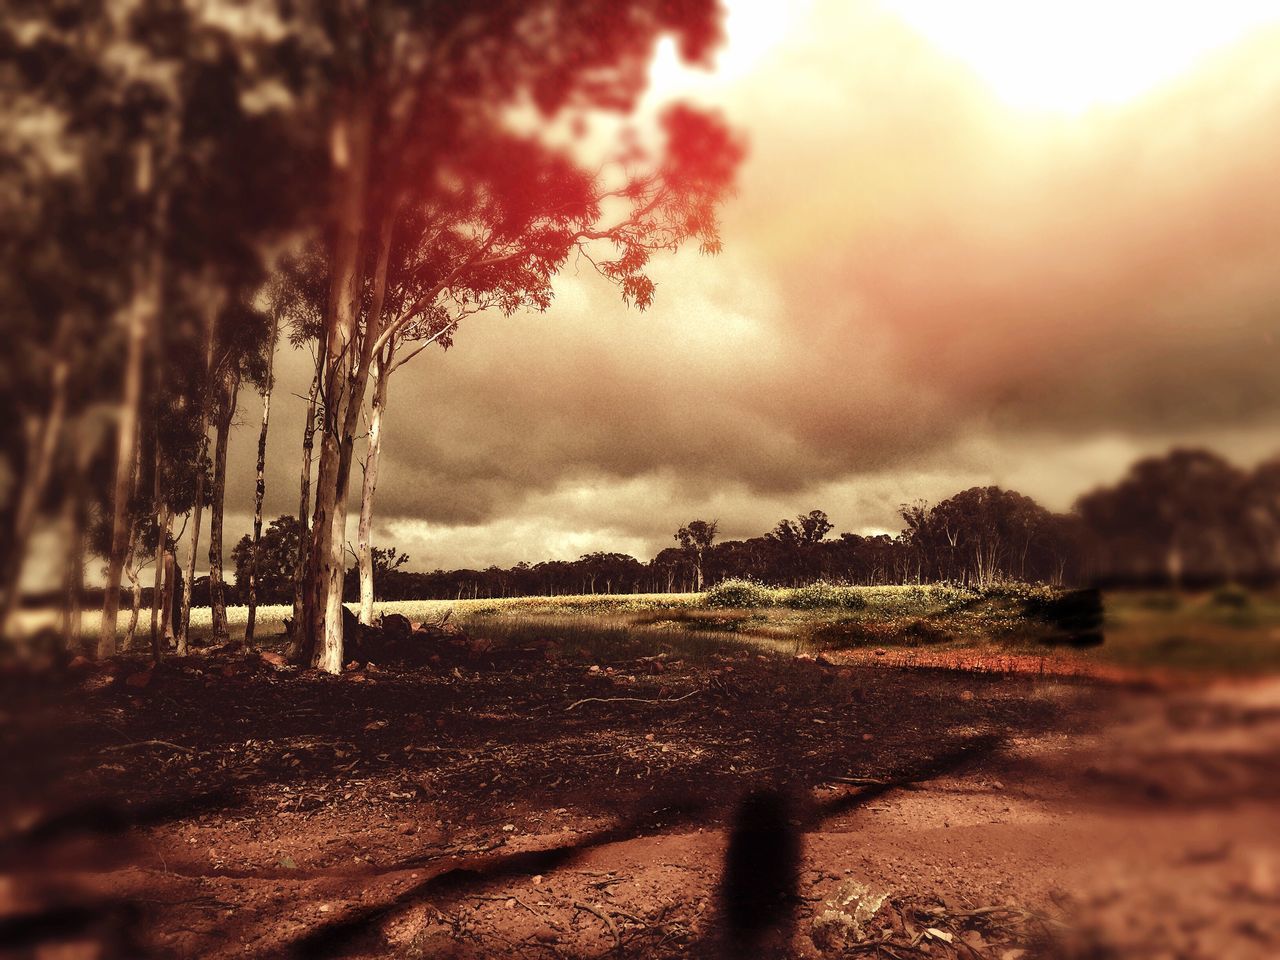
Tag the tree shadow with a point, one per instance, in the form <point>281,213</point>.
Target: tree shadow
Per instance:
<point>758,889</point>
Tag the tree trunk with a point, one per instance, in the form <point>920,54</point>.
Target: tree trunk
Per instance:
<point>184,626</point>
<point>76,522</point>
<point>126,443</point>
<point>260,489</point>
<point>140,318</point>
<point>170,562</point>
<point>364,545</point>
<point>217,589</point>
<point>345,378</point>
<point>164,519</point>
<point>133,570</point>
<point>43,445</point>
<point>298,633</point>
<point>213,305</point>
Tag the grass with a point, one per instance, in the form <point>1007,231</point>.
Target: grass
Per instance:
<point>1229,631</point>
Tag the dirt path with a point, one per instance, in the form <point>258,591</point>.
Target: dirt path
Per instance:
<point>472,814</point>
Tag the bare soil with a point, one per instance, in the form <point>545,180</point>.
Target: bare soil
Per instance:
<point>500,802</point>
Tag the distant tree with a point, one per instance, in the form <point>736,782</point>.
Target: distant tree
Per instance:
<point>794,544</point>
<point>1263,517</point>
<point>670,566</point>
<point>610,570</point>
<point>1182,514</point>
<point>386,559</point>
<point>696,538</point>
<point>276,553</point>
<point>988,531</point>
<point>808,528</point>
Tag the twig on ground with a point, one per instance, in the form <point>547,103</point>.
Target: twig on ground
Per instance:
<point>578,703</point>
<point>1019,912</point>
<point>604,918</point>
<point>516,900</point>
<point>150,743</point>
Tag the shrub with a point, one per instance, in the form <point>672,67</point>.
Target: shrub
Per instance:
<point>950,598</point>
<point>1019,591</point>
<point>904,632</point>
<point>1231,596</point>
<point>823,596</point>
<point>739,592</point>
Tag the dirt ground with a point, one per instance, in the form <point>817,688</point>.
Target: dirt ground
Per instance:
<point>530,803</point>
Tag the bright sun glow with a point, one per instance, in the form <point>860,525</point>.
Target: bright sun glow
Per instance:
<point>752,30</point>
<point>1070,55</point>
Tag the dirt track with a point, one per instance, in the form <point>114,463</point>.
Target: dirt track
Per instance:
<point>465,811</point>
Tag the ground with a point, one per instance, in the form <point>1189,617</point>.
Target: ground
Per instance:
<point>548,799</point>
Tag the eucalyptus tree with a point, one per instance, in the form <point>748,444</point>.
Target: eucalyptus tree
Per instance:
<point>266,387</point>
<point>151,114</point>
<point>695,539</point>
<point>416,104</point>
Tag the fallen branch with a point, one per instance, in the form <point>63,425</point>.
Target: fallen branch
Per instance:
<point>150,743</point>
<point>1015,911</point>
<point>578,703</point>
<point>608,921</point>
<point>511,899</point>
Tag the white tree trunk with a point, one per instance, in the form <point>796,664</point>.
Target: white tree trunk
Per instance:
<point>364,544</point>
<point>212,307</point>
<point>141,317</point>
<point>137,318</point>
<point>133,569</point>
<point>323,599</point>
<point>298,633</point>
<point>164,520</point>
<point>42,446</point>
<point>217,592</point>
<point>260,490</point>
<point>345,379</point>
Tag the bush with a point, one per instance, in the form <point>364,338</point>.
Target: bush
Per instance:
<point>1162,602</point>
<point>1231,596</point>
<point>848,633</point>
<point>1017,590</point>
<point>823,596</point>
<point>950,598</point>
<point>739,592</point>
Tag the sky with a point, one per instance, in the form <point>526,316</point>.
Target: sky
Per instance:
<point>999,242</point>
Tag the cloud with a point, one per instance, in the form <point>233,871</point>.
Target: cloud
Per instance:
<point>921,290</point>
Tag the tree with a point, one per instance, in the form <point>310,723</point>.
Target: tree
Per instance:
<point>153,124</point>
<point>386,560</point>
<point>1263,517</point>
<point>1177,516</point>
<point>416,113</point>
<point>276,551</point>
<point>265,389</point>
<point>695,538</point>
<point>794,541</point>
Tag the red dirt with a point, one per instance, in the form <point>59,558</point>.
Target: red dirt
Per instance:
<point>504,803</point>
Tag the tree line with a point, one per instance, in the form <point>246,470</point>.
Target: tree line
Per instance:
<point>1187,518</point>
<point>187,188</point>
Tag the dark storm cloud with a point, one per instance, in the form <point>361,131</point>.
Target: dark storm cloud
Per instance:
<point>921,290</point>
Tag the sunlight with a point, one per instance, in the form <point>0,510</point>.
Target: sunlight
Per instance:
<point>1068,56</point>
<point>752,30</point>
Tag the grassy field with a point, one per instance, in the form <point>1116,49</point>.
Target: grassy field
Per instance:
<point>1226,631</point>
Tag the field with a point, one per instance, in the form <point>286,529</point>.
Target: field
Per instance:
<point>1230,631</point>
<point>559,778</point>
